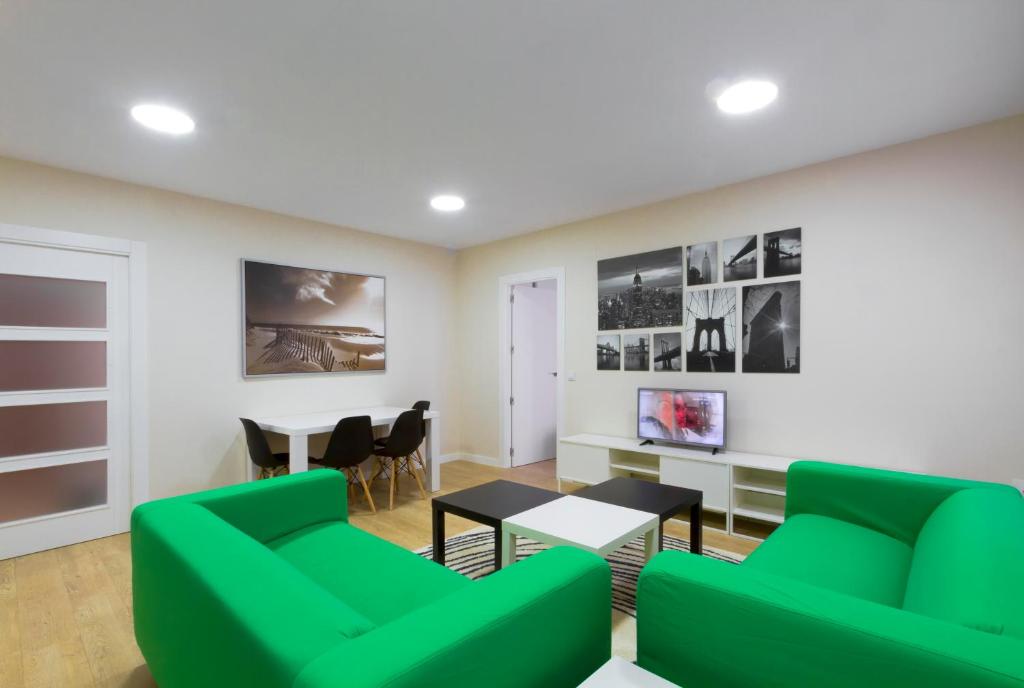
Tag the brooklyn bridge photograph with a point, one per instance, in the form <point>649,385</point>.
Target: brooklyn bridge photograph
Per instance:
<point>771,328</point>
<point>783,251</point>
<point>739,258</point>
<point>710,331</point>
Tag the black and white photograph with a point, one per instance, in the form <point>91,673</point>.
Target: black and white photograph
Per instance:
<point>702,263</point>
<point>739,258</point>
<point>640,291</point>
<point>609,352</point>
<point>636,352</point>
<point>302,320</point>
<point>782,252</point>
<point>666,351</point>
<point>771,328</point>
<point>710,331</point>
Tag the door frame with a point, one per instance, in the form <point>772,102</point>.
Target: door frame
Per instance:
<point>137,406</point>
<point>505,284</point>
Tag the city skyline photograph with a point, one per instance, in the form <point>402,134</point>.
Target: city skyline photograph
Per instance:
<point>640,290</point>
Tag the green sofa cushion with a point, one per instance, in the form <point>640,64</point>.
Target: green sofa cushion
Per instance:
<point>968,565</point>
<point>377,579</point>
<point>836,555</point>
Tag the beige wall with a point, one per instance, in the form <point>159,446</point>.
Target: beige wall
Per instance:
<point>911,308</point>
<point>194,246</point>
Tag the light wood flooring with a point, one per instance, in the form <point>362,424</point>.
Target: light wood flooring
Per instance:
<point>65,614</point>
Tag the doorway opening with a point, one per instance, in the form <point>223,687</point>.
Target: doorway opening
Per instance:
<point>532,359</point>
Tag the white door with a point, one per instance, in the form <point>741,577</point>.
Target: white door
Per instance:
<point>534,353</point>
<point>64,469</point>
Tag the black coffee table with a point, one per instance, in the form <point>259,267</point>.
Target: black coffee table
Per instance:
<point>488,504</point>
<point>664,500</point>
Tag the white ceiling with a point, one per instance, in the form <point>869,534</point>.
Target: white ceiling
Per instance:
<point>538,112</point>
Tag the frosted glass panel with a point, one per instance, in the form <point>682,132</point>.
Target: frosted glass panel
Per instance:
<point>51,490</point>
<point>52,365</point>
<point>52,427</point>
<point>50,302</point>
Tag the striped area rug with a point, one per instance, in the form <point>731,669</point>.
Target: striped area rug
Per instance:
<point>472,555</point>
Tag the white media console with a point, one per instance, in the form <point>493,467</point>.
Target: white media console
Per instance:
<point>739,488</point>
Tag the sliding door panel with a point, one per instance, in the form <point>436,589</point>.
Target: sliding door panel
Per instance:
<point>40,365</point>
<point>52,490</point>
<point>43,428</point>
<point>27,301</point>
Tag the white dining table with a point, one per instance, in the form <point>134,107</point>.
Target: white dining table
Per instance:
<point>300,426</point>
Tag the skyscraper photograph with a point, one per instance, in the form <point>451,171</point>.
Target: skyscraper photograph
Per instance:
<point>641,290</point>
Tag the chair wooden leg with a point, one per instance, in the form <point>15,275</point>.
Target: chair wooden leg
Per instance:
<point>415,474</point>
<point>378,468</point>
<point>366,489</point>
<point>394,476</point>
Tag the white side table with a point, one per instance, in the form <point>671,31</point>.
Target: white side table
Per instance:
<point>585,523</point>
<point>618,673</point>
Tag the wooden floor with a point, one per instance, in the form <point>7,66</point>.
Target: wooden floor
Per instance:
<point>65,614</point>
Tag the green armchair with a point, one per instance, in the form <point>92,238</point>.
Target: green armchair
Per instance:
<point>267,585</point>
<point>876,578</point>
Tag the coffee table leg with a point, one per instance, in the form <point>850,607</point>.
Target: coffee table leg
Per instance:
<point>651,539</point>
<point>508,548</point>
<point>499,543</point>
<point>438,525</point>
<point>696,527</point>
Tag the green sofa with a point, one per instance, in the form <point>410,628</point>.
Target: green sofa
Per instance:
<point>875,579</point>
<point>266,584</point>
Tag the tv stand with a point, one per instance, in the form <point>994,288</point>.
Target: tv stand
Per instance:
<point>743,493</point>
<point>646,442</point>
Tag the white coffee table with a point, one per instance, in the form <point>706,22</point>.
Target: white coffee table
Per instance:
<point>585,523</point>
<point>618,673</point>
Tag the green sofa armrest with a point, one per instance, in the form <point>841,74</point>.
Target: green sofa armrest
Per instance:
<point>213,607</point>
<point>704,623</point>
<point>545,621</point>
<point>889,502</point>
<point>268,509</point>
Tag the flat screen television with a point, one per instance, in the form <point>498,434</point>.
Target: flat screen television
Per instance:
<point>681,416</point>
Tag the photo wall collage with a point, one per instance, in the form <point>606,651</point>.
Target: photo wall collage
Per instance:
<point>695,328</point>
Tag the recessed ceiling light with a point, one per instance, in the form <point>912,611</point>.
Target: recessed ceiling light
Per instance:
<point>163,118</point>
<point>447,203</point>
<point>747,96</point>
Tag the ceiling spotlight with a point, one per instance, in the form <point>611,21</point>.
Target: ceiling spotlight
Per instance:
<point>447,204</point>
<point>747,96</point>
<point>162,118</point>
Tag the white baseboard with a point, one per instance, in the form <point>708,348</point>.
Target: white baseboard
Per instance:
<point>475,458</point>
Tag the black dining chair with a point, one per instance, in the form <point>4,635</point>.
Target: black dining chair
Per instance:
<point>398,452</point>
<point>350,444</point>
<point>419,405</point>
<point>269,463</point>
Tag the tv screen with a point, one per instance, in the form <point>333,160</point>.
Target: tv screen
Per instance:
<point>681,416</point>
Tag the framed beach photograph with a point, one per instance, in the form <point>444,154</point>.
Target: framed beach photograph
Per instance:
<point>305,320</point>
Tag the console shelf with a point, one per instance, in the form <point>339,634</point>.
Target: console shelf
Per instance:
<point>751,487</point>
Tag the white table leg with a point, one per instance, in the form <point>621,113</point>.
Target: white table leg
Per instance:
<point>433,453</point>
<point>508,547</point>
<point>298,453</point>
<point>651,542</point>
